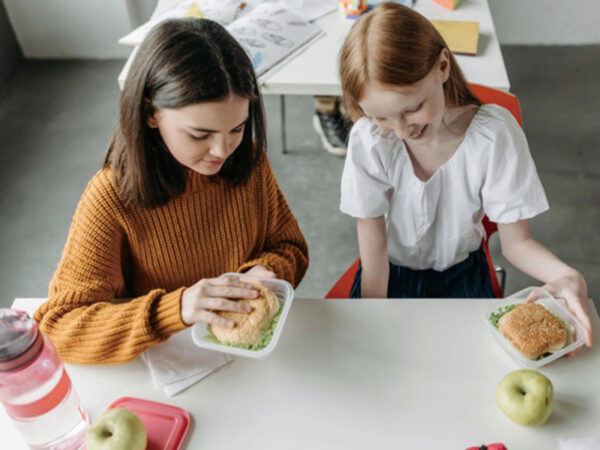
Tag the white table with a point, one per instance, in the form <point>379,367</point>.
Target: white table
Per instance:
<point>315,70</point>
<point>361,374</point>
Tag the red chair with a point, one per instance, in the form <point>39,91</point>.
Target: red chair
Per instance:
<point>342,287</point>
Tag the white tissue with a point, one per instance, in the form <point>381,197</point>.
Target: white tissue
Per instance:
<point>178,363</point>
<point>587,443</point>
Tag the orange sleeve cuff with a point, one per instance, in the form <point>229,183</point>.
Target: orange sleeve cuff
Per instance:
<point>166,314</point>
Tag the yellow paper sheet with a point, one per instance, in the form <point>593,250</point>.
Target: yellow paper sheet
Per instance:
<point>461,37</point>
<point>194,12</point>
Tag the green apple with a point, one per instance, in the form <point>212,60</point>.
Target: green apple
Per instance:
<point>526,397</point>
<point>117,429</point>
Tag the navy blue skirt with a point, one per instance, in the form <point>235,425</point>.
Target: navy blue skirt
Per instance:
<point>467,279</point>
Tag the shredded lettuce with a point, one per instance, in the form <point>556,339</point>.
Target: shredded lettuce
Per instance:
<point>569,329</point>
<point>496,316</point>
<point>262,342</point>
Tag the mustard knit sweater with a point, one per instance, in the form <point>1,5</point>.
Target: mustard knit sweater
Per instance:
<point>117,289</point>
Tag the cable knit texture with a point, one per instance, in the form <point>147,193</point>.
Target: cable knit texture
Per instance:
<point>117,289</point>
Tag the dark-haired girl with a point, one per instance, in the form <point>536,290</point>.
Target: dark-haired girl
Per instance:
<point>186,194</point>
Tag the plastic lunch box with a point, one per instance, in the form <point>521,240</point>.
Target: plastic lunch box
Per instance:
<point>167,426</point>
<point>284,292</point>
<point>552,305</point>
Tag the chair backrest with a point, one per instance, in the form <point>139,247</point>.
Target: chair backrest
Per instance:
<point>342,287</point>
<point>511,103</point>
<point>491,228</point>
<point>504,99</point>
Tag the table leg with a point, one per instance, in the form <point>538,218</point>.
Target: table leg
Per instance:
<point>283,137</point>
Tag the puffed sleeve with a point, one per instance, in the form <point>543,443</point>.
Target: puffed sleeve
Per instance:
<point>365,189</point>
<point>512,189</point>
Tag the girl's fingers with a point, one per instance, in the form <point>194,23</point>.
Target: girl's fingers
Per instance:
<point>538,292</point>
<point>253,282</point>
<point>223,304</point>
<point>572,302</point>
<point>269,274</point>
<point>534,295</point>
<point>577,308</point>
<point>575,304</point>
<point>231,281</point>
<point>214,319</point>
<point>231,292</point>
<point>262,272</point>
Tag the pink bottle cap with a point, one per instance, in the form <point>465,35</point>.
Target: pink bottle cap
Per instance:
<point>20,339</point>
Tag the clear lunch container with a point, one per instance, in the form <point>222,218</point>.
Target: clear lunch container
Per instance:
<point>553,305</point>
<point>284,292</point>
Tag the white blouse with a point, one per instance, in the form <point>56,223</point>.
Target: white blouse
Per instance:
<point>437,223</point>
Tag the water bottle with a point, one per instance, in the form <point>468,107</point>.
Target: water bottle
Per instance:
<point>35,389</point>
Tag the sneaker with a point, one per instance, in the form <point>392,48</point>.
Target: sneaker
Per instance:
<point>333,130</point>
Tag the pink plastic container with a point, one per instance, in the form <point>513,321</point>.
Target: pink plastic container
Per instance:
<point>166,426</point>
<point>35,389</point>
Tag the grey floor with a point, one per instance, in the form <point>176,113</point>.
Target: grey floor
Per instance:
<point>56,119</point>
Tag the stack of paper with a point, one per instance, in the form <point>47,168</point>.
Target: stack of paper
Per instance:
<point>461,37</point>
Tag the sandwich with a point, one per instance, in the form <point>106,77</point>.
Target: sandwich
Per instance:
<point>252,327</point>
<point>533,330</point>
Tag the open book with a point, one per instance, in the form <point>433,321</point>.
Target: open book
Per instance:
<point>269,32</point>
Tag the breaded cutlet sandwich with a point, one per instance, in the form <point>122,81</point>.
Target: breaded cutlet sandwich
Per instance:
<point>250,326</point>
<point>533,330</point>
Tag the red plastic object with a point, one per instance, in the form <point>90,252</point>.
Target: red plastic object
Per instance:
<point>450,4</point>
<point>489,447</point>
<point>343,286</point>
<point>166,425</point>
<point>490,95</point>
<point>491,228</point>
<point>354,8</point>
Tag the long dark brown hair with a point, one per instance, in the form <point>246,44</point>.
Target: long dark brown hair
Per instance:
<point>180,62</point>
<point>395,45</point>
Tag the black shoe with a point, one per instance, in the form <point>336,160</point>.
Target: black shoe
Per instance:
<point>333,130</point>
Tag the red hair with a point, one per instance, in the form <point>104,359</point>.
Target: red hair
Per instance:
<point>395,45</point>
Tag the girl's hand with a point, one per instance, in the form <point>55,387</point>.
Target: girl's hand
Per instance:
<point>573,290</point>
<point>261,271</point>
<point>215,294</point>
